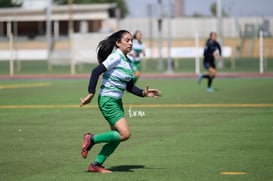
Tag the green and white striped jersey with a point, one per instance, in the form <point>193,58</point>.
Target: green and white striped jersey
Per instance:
<point>137,48</point>
<point>119,72</point>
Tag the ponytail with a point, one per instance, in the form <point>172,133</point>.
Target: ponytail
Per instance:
<point>106,46</point>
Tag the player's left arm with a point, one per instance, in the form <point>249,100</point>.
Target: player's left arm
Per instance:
<point>217,52</point>
<point>219,48</point>
<point>140,92</point>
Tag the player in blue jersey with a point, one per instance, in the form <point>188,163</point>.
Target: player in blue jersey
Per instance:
<point>117,77</point>
<point>212,51</point>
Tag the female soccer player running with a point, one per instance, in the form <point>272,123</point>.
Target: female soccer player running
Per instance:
<point>117,76</point>
<point>134,55</point>
<point>211,51</point>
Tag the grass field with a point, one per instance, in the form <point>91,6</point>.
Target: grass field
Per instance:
<point>188,134</point>
<point>148,66</point>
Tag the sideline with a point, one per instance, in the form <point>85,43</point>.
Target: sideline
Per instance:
<point>141,106</point>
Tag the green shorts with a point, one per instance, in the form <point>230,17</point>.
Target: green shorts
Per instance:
<point>111,109</point>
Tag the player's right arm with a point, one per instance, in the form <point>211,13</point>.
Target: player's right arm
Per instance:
<point>96,72</point>
<point>110,62</point>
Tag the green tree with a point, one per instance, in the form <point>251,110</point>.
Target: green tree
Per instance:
<point>213,10</point>
<point>9,3</point>
<point>197,15</point>
<point>120,4</point>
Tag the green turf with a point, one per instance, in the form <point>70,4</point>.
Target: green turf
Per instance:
<point>167,143</point>
<point>148,66</point>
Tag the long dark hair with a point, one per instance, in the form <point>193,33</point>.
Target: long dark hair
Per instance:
<point>107,45</point>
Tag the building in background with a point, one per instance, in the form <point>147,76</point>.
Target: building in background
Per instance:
<point>179,8</point>
<point>30,19</point>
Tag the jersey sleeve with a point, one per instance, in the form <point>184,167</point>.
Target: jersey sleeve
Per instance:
<point>219,48</point>
<point>111,61</point>
<point>94,78</point>
<point>130,87</point>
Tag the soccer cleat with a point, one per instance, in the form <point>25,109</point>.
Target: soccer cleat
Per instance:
<point>87,144</point>
<point>210,89</point>
<point>98,168</point>
<point>200,76</point>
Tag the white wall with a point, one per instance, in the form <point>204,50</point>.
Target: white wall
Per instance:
<point>34,4</point>
<point>186,27</point>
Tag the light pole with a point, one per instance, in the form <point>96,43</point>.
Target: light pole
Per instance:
<point>160,62</point>
<point>219,20</point>
<point>169,62</point>
<point>70,33</point>
<point>48,31</point>
<point>219,28</point>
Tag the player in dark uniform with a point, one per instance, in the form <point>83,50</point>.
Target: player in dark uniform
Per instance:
<point>212,51</point>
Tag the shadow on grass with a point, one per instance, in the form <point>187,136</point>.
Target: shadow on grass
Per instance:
<point>126,168</point>
<point>129,168</point>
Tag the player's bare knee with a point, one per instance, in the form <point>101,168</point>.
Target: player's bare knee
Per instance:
<point>125,135</point>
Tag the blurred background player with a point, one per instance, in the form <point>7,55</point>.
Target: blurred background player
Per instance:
<point>117,77</point>
<point>134,55</point>
<point>212,51</point>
